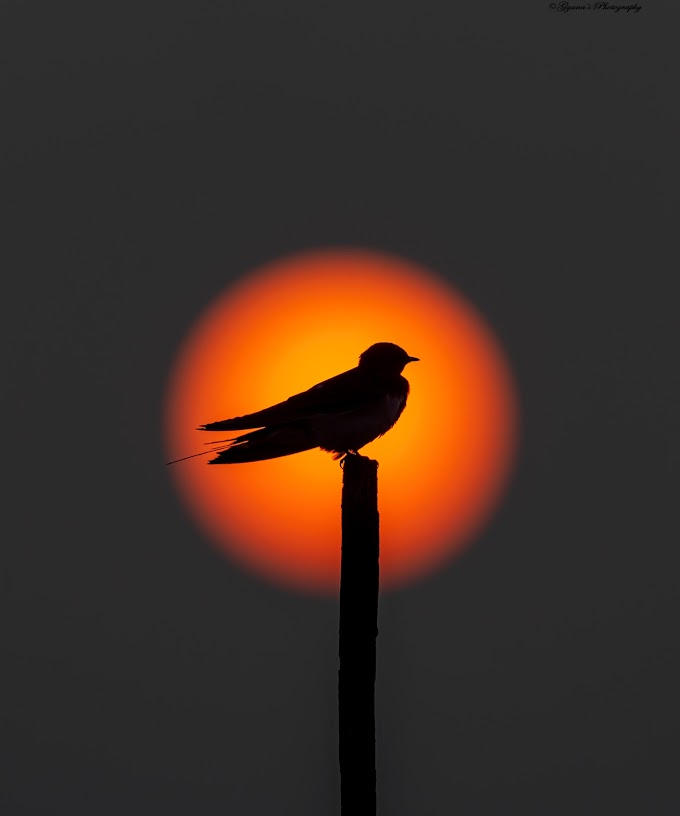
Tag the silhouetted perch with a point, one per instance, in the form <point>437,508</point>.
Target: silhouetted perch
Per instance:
<point>359,574</point>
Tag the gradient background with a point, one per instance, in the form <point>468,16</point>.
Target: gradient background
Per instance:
<point>290,325</point>
<point>154,151</point>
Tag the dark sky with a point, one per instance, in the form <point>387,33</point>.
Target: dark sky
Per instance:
<point>152,152</point>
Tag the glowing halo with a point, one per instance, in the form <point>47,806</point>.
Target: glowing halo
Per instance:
<point>304,318</point>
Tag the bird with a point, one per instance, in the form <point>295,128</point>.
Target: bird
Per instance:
<point>339,415</point>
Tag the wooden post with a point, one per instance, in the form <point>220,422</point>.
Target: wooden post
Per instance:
<point>358,632</point>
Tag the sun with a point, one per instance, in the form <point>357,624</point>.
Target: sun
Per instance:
<point>302,319</point>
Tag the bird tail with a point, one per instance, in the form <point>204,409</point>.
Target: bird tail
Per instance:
<point>265,443</point>
<point>215,447</point>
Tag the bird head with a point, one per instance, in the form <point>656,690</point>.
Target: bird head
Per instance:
<point>385,358</point>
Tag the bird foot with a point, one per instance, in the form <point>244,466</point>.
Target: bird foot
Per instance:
<point>348,453</point>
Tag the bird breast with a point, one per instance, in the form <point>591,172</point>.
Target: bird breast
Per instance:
<point>394,405</point>
<point>354,429</point>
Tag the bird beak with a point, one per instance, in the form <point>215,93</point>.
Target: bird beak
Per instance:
<point>414,359</point>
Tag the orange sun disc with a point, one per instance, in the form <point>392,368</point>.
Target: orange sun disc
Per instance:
<point>298,321</point>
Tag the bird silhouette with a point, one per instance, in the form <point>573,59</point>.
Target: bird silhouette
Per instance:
<point>339,415</point>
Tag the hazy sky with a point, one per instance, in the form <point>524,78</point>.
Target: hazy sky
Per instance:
<point>156,151</point>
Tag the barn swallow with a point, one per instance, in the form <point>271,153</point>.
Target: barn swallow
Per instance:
<point>339,415</point>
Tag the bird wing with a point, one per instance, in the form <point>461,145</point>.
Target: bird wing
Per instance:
<point>340,394</point>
